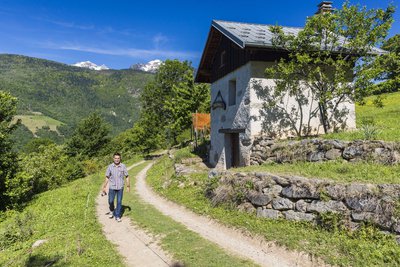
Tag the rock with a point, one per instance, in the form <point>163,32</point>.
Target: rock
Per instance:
<point>282,204</point>
<point>301,205</point>
<point>298,216</point>
<point>258,199</point>
<point>280,180</point>
<point>268,213</point>
<point>358,216</point>
<point>368,204</point>
<point>305,190</point>
<point>333,154</point>
<point>275,190</point>
<point>336,191</point>
<point>246,207</point>
<point>337,144</point>
<point>39,243</point>
<point>315,156</point>
<point>329,206</point>
<point>352,152</point>
<point>354,190</point>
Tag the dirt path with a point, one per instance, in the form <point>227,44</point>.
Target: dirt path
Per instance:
<point>255,249</point>
<point>137,247</point>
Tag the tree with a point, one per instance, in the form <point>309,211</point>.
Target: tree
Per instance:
<point>90,136</point>
<point>330,62</point>
<point>8,159</point>
<point>388,66</point>
<point>168,101</point>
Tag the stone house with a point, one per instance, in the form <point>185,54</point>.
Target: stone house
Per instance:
<point>234,61</point>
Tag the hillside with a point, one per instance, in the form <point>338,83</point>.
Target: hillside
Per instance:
<point>68,94</point>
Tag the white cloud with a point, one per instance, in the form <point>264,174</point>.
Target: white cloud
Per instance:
<point>130,52</point>
<point>66,24</point>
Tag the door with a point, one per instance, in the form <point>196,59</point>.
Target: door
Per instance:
<point>232,150</point>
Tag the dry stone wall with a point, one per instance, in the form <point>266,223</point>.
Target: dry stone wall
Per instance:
<point>302,199</point>
<point>267,150</point>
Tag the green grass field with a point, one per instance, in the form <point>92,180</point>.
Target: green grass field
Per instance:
<point>385,119</point>
<point>36,121</point>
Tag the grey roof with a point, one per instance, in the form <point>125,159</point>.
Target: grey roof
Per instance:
<point>256,35</point>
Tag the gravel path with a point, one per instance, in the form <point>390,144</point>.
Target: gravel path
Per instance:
<point>136,246</point>
<point>255,249</point>
<point>140,249</point>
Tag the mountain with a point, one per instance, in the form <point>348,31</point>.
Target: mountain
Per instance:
<point>90,65</point>
<point>68,94</point>
<point>151,66</point>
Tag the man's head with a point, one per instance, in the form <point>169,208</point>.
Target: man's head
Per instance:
<point>117,158</point>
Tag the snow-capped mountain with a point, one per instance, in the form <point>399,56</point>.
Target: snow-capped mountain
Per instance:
<point>151,66</point>
<point>90,65</point>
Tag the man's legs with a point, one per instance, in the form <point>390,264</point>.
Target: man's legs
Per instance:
<point>111,197</point>
<point>118,211</point>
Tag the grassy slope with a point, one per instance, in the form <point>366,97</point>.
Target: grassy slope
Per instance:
<point>367,247</point>
<point>386,119</point>
<point>37,121</point>
<point>68,93</point>
<point>66,217</point>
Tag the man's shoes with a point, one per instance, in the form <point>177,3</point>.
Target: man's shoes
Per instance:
<point>111,215</point>
<point>118,219</point>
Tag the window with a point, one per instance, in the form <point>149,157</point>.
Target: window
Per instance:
<point>232,92</point>
<point>223,59</point>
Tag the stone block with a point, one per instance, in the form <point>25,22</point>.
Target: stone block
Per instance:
<point>298,216</point>
<point>333,154</point>
<point>328,206</point>
<point>301,205</point>
<point>280,203</point>
<point>274,190</point>
<point>247,207</point>
<point>258,199</point>
<point>336,191</point>
<point>305,190</point>
<point>362,203</point>
<point>269,213</point>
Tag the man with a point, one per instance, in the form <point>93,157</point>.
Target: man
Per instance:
<point>115,178</point>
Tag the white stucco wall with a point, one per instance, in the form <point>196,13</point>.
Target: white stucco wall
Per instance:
<point>246,113</point>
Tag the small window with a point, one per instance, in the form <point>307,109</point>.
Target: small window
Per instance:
<point>223,59</point>
<point>232,93</point>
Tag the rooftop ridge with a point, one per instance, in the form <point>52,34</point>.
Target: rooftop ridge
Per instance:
<point>257,24</point>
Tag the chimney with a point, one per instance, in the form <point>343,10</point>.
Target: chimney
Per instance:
<point>324,6</point>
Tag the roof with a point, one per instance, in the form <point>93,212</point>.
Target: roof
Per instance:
<point>249,34</point>
<point>244,35</point>
<point>256,35</point>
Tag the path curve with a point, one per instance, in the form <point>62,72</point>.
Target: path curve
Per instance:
<point>136,246</point>
<point>255,249</point>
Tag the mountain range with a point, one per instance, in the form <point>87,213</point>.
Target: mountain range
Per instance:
<point>90,65</point>
<point>151,66</point>
<point>68,94</point>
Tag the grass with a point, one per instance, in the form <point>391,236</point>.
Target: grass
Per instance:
<point>366,247</point>
<point>341,171</point>
<point>66,217</point>
<point>386,119</point>
<point>184,245</point>
<point>36,121</point>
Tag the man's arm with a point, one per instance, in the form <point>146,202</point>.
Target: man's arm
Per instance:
<point>128,183</point>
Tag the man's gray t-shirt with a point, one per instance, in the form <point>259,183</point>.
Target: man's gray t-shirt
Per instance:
<point>115,174</point>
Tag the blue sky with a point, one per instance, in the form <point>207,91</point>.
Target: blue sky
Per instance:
<point>121,33</point>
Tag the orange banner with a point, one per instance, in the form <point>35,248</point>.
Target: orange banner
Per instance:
<point>201,121</point>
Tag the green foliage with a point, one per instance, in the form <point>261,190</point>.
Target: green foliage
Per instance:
<point>48,168</point>
<point>21,137</point>
<point>66,218</point>
<point>34,145</point>
<point>89,138</point>
<point>169,101</point>
<point>314,61</point>
<point>69,93</point>
<point>8,164</point>
<point>388,66</point>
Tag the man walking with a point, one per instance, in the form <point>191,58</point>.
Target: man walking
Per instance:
<point>115,178</point>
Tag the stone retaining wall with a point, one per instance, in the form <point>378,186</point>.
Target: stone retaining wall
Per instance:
<point>302,199</point>
<point>267,150</point>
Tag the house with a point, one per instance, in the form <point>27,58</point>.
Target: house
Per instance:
<point>234,61</point>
